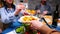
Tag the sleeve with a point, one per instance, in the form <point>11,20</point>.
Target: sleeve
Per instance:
<point>37,7</point>
<point>49,10</point>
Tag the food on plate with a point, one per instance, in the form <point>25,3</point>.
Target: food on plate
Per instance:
<point>48,19</point>
<point>31,11</point>
<point>28,18</point>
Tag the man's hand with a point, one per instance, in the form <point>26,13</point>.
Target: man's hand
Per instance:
<point>38,11</point>
<point>36,24</point>
<point>45,12</point>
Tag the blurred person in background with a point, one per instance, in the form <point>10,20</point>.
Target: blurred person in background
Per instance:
<point>44,29</point>
<point>1,3</point>
<point>9,13</point>
<point>1,25</point>
<point>43,8</point>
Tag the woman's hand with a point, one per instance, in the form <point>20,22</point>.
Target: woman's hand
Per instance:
<point>19,8</point>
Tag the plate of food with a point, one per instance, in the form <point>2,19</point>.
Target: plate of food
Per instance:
<point>25,19</point>
<point>31,11</point>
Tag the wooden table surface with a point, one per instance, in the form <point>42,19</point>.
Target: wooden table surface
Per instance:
<point>49,19</point>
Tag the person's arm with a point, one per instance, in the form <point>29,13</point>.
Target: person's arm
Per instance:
<point>49,10</point>
<point>17,12</point>
<point>37,8</point>
<point>44,29</point>
<point>19,8</point>
<point>13,15</point>
<point>5,17</point>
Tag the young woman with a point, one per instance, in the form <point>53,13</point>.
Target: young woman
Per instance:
<point>9,12</point>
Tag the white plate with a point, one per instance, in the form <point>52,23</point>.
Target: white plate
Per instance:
<point>21,19</point>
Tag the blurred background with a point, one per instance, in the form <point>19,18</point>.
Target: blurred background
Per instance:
<point>31,4</point>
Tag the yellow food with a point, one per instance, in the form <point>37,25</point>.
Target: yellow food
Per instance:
<point>31,11</point>
<point>28,19</point>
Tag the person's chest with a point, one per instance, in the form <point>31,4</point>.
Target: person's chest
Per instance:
<point>10,10</point>
<point>6,12</point>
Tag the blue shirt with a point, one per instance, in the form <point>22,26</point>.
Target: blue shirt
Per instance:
<point>7,16</point>
<point>43,8</point>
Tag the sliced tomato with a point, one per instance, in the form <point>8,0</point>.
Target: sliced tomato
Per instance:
<point>26,32</point>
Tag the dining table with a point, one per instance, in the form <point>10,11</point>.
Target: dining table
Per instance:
<point>12,30</point>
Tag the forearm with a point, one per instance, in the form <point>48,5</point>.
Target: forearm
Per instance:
<point>17,12</point>
<point>46,30</point>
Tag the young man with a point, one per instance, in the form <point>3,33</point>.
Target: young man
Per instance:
<point>43,7</point>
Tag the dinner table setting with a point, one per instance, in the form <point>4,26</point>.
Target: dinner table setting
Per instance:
<point>24,24</point>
